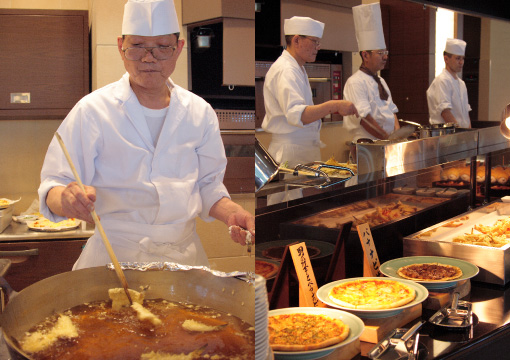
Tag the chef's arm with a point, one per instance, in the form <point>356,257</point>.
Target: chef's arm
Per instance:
<point>448,116</point>
<point>397,125</point>
<point>233,214</point>
<point>315,112</point>
<point>373,128</point>
<point>69,201</point>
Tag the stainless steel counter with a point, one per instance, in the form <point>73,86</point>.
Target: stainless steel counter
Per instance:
<point>20,232</point>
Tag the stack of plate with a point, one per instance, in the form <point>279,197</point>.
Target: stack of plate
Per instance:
<point>261,311</point>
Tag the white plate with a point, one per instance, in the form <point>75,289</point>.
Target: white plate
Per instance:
<point>390,269</point>
<point>355,324</point>
<point>31,226</point>
<point>23,219</point>
<point>421,295</point>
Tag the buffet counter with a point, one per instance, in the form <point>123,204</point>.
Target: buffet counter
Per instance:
<point>487,339</point>
<point>36,255</point>
<point>20,232</point>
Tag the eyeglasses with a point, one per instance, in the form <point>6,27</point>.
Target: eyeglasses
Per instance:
<point>158,52</point>
<point>381,52</point>
<point>316,42</point>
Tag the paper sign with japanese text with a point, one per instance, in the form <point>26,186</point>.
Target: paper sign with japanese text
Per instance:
<point>371,263</point>
<point>307,284</point>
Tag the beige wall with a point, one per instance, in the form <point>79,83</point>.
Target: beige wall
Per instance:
<point>23,143</point>
<point>494,92</point>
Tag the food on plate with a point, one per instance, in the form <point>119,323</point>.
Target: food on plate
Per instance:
<point>428,233</point>
<point>456,223</point>
<point>4,202</point>
<point>497,235</point>
<point>265,268</point>
<point>450,174</point>
<point>276,252</point>
<point>372,294</point>
<point>96,331</point>
<point>43,223</point>
<point>386,213</point>
<point>430,272</point>
<point>499,174</point>
<point>302,332</point>
<point>482,240</point>
<point>465,173</point>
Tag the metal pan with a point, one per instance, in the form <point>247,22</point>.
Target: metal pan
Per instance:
<point>63,291</point>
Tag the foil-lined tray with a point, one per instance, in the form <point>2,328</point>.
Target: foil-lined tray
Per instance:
<point>171,266</point>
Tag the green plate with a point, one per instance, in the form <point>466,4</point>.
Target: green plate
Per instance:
<point>390,269</point>
<point>421,295</point>
<point>355,324</point>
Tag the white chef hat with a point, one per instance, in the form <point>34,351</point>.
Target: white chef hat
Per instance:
<point>150,18</point>
<point>299,25</point>
<point>368,26</point>
<point>455,47</point>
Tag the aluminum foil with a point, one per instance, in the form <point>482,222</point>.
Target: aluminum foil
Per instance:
<point>171,266</point>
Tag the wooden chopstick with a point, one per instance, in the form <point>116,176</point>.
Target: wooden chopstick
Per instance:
<point>116,264</point>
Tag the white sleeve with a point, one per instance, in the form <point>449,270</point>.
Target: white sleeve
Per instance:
<point>212,163</point>
<point>357,93</point>
<point>56,170</point>
<point>288,90</point>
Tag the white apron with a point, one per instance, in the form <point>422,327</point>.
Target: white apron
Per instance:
<point>135,242</point>
<point>298,147</point>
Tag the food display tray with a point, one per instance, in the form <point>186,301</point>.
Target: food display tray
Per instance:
<point>387,236</point>
<point>494,262</point>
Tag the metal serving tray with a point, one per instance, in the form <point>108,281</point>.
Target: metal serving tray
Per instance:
<point>494,262</point>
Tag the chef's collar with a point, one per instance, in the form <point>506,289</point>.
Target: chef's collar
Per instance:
<point>150,18</point>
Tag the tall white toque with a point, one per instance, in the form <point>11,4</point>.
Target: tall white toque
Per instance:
<point>368,26</point>
<point>299,25</point>
<point>455,47</point>
<point>150,18</point>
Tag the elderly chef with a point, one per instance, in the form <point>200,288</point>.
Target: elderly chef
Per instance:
<point>150,151</point>
<point>291,117</point>
<point>368,91</point>
<point>447,94</point>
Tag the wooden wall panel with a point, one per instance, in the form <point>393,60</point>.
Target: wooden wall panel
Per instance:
<point>44,53</point>
<point>407,28</point>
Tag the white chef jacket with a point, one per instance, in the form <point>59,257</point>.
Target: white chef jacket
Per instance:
<point>287,93</point>
<point>448,92</point>
<point>362,90</point>
<point>147,197</point>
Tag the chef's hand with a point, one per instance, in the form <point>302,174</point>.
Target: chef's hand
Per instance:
<point>71,202</point>
<point>346,108</point>
<point>240,224</point>
<point>236,218</point>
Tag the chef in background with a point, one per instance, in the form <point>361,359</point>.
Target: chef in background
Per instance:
<point>447,94</point>
<point>291,117</point>
<point>368,91</point>
<point>149,151</point>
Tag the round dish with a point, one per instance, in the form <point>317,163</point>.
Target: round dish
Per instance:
<point>390,269</point>
<point>5,203</point>
<point>421,295</point>
<point>31,226</point>
<point>325,248</point>
<point>271,261</point>
<point>23,219</point>
<point>355,324</point>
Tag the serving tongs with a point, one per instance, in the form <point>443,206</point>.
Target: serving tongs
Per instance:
<point>457,316</point>
<point>318,173</point>
<point>399,344</point>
